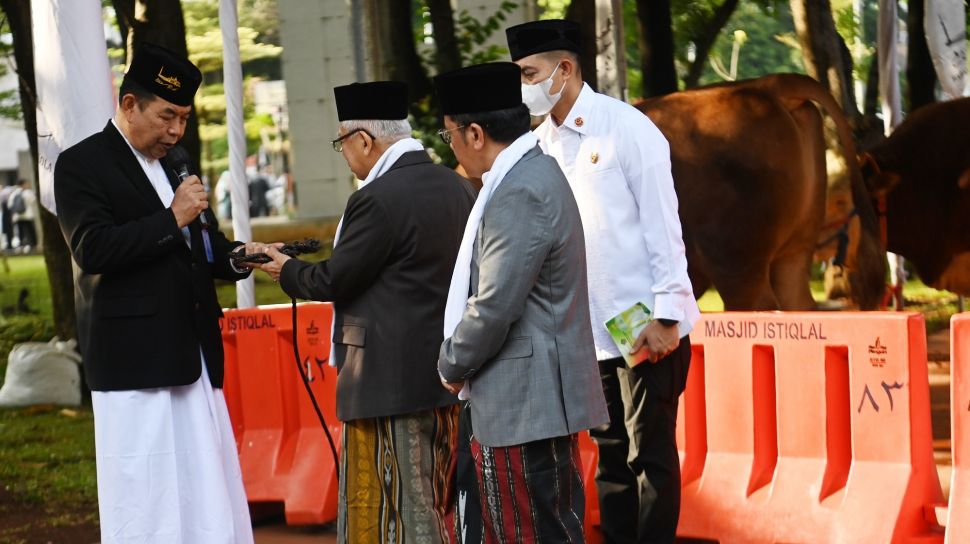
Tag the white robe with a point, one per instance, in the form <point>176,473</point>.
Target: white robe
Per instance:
<point>168,470</point>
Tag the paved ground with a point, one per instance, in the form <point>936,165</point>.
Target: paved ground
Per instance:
<point>938,354</point>
<point>281,534</point>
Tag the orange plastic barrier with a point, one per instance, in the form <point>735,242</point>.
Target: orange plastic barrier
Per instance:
<point>808,427</point>
<point>958,515</point>
<point>283,450</point>
<point>589,457</point>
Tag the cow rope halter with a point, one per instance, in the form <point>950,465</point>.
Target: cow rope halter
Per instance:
<point>866,159</point>
<point>842,235</point>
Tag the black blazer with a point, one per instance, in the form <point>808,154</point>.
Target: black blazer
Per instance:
<point>388,278</point>
<point>145,302</point>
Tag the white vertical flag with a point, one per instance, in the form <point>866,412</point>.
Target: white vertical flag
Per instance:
<point>887,42</point>
<point>946,36</point>
<point>891,99</point>
<point>239,188</point>
<point>74,93</point>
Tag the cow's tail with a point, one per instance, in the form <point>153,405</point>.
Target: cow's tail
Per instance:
<point>794,90</point>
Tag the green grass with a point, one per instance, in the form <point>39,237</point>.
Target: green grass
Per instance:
<point>24,271</point>
<point>30,271</point>
<point>937,306</point>
<point>47,462</point>
<point>46,455</point>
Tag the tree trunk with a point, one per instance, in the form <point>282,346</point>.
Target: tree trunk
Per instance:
<point>399,58</point>
<point>60,274</point>
<point>584,13</point>
<point>920,74</point>
<point>871,106</point>
<point>447,57</point>
<point>826,56</point>
<point>656,47</point>
<point>159,22</point>
<point>704,41</point>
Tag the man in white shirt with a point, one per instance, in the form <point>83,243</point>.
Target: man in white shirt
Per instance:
<point>618,166</point>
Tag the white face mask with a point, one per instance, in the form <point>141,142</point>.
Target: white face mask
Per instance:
<point>538,98</point>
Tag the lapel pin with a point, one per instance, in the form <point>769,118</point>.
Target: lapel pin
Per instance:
<point>578,121</point>
<point>594,158</point>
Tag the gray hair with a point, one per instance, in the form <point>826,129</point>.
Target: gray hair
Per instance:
<point>382,129</point>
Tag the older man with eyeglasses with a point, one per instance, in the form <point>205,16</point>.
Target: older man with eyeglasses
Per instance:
<point>388,278</point>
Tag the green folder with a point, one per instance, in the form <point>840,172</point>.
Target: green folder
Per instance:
<point>625,327</point>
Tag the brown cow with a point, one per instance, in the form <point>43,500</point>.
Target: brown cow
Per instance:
<point>748,162</point>
<point>923,172</point>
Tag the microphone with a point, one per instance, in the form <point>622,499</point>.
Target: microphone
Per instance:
<point>178,157</point>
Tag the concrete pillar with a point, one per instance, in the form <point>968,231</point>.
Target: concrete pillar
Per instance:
<point>318,54</point>
<point>328,43</point>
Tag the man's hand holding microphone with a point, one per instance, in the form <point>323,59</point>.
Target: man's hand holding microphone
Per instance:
<point>190,200</point>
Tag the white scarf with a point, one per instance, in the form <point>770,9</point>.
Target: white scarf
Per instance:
<point>383,164</point>
<point>461,276</point>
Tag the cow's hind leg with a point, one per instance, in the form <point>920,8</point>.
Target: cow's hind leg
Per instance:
<point>790,276</point>
<point>747,289</point>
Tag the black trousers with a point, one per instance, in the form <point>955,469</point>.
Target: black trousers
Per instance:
<point>26,232</point>
<point>6,226</point>
<point>638,475</point>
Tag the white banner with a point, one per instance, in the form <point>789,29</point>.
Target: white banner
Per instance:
<point>239,184</point>
<point>946,36</point>
<point>887,46</point>
<point>75,98</point>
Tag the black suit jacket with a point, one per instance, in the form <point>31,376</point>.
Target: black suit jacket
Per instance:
<point>145,302</point>
<point>388,278</point>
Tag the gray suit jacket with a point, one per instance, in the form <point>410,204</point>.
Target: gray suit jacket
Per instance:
<point>524,343</point>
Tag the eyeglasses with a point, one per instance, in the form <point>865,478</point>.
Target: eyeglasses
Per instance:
<point>338,144</point>
<point>446,134</point>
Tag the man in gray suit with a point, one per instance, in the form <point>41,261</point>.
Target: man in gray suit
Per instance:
<point>517,331</point>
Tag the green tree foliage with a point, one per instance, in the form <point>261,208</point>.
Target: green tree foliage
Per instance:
<point>9,99</point>
<point>553,9</point>
<point>258,40</point>
<point>205,50</point>
<point>476,42</point>
<point>859,35</point>
<point>770,47</point>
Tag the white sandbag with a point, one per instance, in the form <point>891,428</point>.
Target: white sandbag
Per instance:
<point>39,373</point>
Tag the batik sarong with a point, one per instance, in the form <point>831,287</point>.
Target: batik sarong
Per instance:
<point>532,492</point>
<point>397,478</point>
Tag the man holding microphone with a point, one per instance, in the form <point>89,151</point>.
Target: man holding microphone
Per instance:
<point>148,317</point>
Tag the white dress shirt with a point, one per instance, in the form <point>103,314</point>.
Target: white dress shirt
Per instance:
<point>159,180</point>
<point>618,165</point>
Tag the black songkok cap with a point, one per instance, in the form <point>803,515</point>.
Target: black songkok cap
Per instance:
<point>165,74</point>
<point>540,36</point>
<point>387,100</point>
<point>480,88</point>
